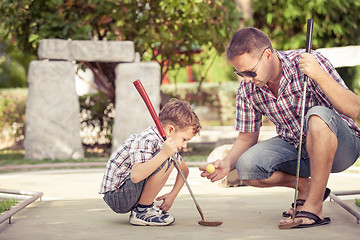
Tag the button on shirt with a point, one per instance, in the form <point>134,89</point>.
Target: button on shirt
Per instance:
<point>138,148</point>
<point>285,109</point>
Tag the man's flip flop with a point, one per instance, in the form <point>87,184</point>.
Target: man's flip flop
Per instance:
<point>312,216</point>
<point>300,202</point>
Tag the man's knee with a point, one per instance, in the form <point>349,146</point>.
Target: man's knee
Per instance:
<point>319,135</point>
<point>317,120</point>
<point>318,128</point>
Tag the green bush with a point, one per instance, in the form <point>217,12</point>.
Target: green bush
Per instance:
<point>12,113</point>
<point>97,118</point>
<point>215,103</point>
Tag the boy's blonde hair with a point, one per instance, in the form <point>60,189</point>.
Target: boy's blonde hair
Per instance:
<point>179,114</point>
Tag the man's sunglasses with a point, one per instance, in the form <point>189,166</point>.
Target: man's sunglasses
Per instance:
<point>250,73</point>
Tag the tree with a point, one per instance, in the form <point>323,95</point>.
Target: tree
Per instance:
<point>336,24</point>
<point>161,29</point>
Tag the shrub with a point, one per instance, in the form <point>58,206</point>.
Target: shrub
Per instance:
<point>215,103</point>
<point>97,118</point>
<point>12,113</point>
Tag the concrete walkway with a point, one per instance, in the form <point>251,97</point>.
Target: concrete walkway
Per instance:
<point>72,209</point>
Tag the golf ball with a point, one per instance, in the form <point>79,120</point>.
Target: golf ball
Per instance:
<point>210,168</point>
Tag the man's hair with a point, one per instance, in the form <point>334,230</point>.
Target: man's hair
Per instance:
<point>247,40</point>
<point>180,114</point>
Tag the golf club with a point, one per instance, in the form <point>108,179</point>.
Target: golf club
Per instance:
<point>294,222</point>
<point>138,85</point>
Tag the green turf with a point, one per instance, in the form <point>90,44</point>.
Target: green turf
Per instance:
<point>6,204</point>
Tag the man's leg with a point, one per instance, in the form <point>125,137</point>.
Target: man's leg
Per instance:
<point>321,145</point>
<point>273,163</point>
<point>332,147</point>
<point>282,179</point>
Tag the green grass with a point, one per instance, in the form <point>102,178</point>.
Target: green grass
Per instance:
<point>357,202</point>
<point>17,157</point>
<point>6,204</point>
<point>194,153</point>
<point>357,163</point>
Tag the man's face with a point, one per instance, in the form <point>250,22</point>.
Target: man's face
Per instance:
<point>252,68</point>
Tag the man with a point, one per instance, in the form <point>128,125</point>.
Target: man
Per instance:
<point>272,86</point>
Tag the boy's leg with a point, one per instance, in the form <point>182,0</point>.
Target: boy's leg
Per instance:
<point>125,199</point>
<point>145,213</point>
<point>154,184</point>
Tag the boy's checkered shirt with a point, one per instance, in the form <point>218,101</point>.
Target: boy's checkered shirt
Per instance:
<point>285,109</point>
<point>138,148</point>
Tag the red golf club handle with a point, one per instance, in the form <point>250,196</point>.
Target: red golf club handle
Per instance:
<point>140,88</point>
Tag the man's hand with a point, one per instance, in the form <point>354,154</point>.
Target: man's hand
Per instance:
<point>310,66</point>
<point>221,170</point>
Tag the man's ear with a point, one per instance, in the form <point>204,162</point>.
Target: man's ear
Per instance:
<point>268,54</point>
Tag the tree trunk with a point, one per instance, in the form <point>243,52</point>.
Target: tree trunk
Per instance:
<point>245,7</point>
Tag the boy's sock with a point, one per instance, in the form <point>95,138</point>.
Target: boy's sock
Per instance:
<point>141,207</point>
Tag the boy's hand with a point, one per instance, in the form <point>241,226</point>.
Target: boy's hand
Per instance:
<point>167,199</point>
<point>169,147</point>
<point>221,170</point>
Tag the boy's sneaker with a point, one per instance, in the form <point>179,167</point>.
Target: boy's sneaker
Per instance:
<point>150,217</point>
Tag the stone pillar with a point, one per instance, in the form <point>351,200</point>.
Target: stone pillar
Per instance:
<point>52,112</point>
<point>132,115</point>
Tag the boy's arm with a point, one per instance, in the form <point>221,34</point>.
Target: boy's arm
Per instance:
<point>179,183</point>
<point>140,171</point>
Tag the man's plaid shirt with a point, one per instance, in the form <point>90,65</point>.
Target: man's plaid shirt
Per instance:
<point>138,148</point>
<point>285,109</point>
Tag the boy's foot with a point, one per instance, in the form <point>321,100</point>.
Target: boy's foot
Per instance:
<point>150,217</point>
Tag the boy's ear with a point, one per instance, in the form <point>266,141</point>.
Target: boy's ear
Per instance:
<point>170,129</point>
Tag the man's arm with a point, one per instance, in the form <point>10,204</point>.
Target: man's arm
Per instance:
<point>343,100</point>
<point>243,142</point>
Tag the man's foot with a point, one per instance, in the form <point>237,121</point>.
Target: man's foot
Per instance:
<point>301,202</point>
<point>304,219</point>
<point>151,216</point>
<point>290,212</point>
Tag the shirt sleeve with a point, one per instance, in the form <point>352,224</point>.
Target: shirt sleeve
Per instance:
<point>326,65</point>
<point>247,119</point>
<point>142,150</point>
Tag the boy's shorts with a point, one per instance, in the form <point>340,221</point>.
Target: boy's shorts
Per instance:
<point>125,198</point>
<point>275,154</point>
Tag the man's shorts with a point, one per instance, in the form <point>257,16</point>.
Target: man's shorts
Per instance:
<point>275,154</point>
<point>125,198</point>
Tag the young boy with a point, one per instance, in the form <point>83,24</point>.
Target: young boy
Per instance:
<point>141,165</point>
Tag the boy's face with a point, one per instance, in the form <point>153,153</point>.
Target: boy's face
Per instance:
<point>181,137</point>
